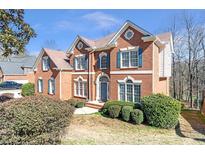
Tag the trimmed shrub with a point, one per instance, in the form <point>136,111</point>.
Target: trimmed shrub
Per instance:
<point>80,105</point>
<point>120,103</point>
<point>104,111</point>
<point>34,120</point>
<point>137,116</point>
<point>138,106</point>
<point>114,111</point>
<point>126,110</point>
<point>161,111</point>
<point>28,89</point>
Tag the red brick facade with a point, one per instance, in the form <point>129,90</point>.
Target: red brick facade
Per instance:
<point>147,74</point>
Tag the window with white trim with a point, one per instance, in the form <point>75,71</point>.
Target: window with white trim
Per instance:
<point>80,88</point>
<point>129,91</point>
<point>103,60</point>
<point>45,63</point>
<point>80,62</point>
<point>51,86</point>
<point>129,59</point>
<point>40,85</point>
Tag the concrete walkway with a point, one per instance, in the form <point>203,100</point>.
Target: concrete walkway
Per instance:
<point>85,110</point>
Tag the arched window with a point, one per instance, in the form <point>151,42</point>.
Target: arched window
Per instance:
<point>103,60</point>
<point>103,79</point>
<point>129,90</point>
<point>80,87</point>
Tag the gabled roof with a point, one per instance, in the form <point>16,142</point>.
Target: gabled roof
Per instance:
<point>11,68</point>
<point>99,42</point>
<point>109,39</point>
<point>59,58</point>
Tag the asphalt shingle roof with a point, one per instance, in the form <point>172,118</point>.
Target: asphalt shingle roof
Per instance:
<point>15,64</point>
<point>59,58</point>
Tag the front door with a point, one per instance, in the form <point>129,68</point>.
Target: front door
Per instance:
<point>103,91</point>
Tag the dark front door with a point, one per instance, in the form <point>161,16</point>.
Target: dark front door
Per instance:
<point>103,91</point>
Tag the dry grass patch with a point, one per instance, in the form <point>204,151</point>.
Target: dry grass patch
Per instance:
<point>96,129</point>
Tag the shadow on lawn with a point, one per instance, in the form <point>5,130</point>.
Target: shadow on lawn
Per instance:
<point>196,122</point>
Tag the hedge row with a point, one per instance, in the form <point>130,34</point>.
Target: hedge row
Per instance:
<point>124,110</point>
<point>159,110</point>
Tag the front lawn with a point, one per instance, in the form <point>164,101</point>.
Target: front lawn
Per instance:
<point>96,129</point>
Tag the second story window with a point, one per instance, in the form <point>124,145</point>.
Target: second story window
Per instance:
<point>45,63</point>
<point>103,60</point>
<point>80,62</point>
<point>129,58</point>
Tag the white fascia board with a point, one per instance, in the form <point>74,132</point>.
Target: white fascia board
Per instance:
<point>70,50</point>
<point>132,72</point>
<point>124,27</point>
<point>148,38</point>
<point>38,59</point>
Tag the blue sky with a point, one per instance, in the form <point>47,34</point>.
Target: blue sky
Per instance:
<point>58,28</point>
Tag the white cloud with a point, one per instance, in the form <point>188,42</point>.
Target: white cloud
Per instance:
<point>101,19</point>
<point>64,24</point>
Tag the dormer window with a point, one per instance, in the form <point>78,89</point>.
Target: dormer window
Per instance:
<point>129,34</point>
<point>80,45</point>
<point>45,63</point>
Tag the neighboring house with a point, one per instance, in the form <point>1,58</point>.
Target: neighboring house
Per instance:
<point>53,74</point>
<point>125,65</point>
<point>18,69</point>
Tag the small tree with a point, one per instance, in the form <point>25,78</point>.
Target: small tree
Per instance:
<point>14,32</point>
<point>28,89</point>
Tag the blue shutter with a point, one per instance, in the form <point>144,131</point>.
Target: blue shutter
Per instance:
<point>98,62</point>
<point>140,57</point>
<point>42,84</point>
<point>118,59</point>
<point>49,86</point>
<point>54,86</point>
<point>49,63</point>
<point>86,62</point>
<point>108,60</point>
<point>38,85</point>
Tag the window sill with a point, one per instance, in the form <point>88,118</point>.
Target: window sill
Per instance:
<point>51,94</point>
<point>80,96</point>
<point>130,67</point>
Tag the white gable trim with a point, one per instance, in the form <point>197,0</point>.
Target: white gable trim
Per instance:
<point>124,27</point>
<point>38,59</point>
<point>129,78</point>
<point>78,38</point>
<point>80,77</point>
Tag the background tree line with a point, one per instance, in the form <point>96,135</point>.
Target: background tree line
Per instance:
<point>188,61</point>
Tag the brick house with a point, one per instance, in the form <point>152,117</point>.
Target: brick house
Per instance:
<point>125,65</point>
<point>53,74</point>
